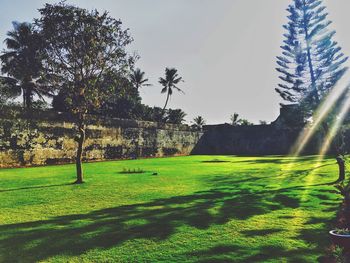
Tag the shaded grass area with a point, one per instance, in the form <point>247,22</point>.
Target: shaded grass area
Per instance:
<point>236,209</point>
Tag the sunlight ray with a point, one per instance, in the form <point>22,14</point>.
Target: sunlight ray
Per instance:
<point>318,117</point>
<point>336,125</point>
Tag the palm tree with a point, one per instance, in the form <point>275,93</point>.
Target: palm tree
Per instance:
<point>21,62</point>
<point>169,83</point>
<point>176,116</point>
<point>198,123</point>
<point>137,78</point>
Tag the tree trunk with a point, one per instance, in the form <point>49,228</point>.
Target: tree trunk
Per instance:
<point>81,139</point>
<point>163,111</point>
<point>166,102</point>
<point>29,98</point>
<point>341,166</point>
<point>337,149</point>
<point>24,98</point>
<point>314,91</point>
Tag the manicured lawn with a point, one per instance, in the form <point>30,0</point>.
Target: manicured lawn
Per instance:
<point>245,209</point>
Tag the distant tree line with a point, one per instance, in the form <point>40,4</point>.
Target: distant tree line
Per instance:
<point>237,121</point>
<point>75,60</point>
<point>86,49</point>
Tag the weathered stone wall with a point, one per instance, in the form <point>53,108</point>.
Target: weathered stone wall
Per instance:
<point>277,138</point>
<point>44,137</point>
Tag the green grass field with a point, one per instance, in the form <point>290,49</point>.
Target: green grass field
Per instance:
<point>243,209</point>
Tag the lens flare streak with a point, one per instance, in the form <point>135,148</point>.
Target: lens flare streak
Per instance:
<point>320,115</point>
<point>336,125</point>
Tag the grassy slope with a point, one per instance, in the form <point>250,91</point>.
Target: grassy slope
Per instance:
<point>246,209</point>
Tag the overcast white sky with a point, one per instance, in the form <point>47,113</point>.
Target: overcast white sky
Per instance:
<point>224,49</point>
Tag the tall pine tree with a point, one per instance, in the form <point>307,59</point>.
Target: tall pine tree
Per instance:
<point>311,62</point>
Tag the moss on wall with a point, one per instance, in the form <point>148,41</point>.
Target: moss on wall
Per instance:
<point>40,138</point>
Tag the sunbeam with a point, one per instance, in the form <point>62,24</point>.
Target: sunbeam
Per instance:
<point>318,117</point>
<point>335,126</point>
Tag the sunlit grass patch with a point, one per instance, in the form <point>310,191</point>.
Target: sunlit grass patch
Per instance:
<point>239,209</point>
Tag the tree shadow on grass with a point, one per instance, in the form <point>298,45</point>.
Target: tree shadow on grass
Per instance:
<point>219,253</point>
<point>156,220</point>
<point>75,234</point>
<point>288,176</point>
<point>34,187</point>
<point>230,253</point>
<point>316,239</point>
<point>274,252</point>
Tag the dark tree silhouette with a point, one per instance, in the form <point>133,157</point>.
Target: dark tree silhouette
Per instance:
<point>198,123</point>
<point>137,78</point>
<point>21,62</point>
<point>169,83</point>
<point>176,116</point>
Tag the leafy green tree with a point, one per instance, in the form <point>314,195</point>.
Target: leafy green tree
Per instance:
<point>198,123</point>
<point>176,116</point>
<point>124,102</point>
<point>158,115</point>
<point>147,113</point>
<point>138,80</point>
<point>245,122</point>
<point>170,83</point>
<point>236,121</point>
<point>21,62</point>
<point>7,94</point>
<point>83,51</point>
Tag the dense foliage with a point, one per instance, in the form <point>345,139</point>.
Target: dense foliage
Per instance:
<point>237,121</point>
<point>198,123</point>
<point>79,58</point>
<point>84,58</point>
<point>22,64</point>
<point>138,80</point>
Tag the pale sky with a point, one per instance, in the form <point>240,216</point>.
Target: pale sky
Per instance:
<point>224,49</point>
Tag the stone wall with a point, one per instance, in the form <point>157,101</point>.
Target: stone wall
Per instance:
<point>226,139</point>
<point>277,138</point>
<point>273,139</point>
<point>45,137</point>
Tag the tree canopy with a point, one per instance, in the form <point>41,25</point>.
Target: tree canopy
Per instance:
<point>311,62</point>
<point>169,83</point>
<point>84,51</point>
<point>22,64</point>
